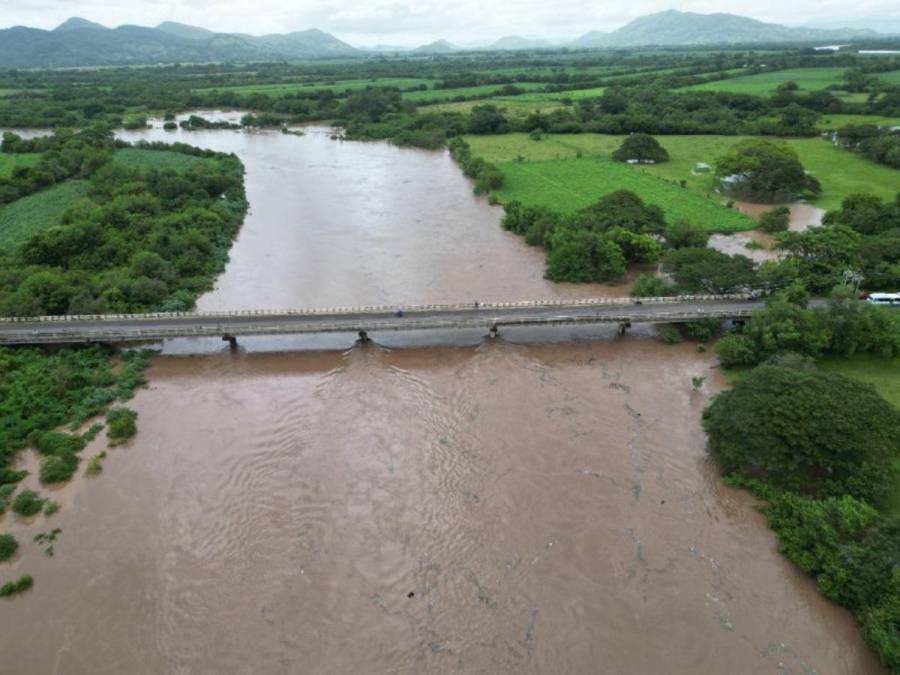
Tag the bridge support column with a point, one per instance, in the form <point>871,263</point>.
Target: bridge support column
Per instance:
<point>231,340</point>
<point>494,332</point>
<point>364,337</point>
<point>625,325</point>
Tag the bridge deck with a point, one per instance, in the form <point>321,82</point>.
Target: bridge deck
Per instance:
<point>146,327</point>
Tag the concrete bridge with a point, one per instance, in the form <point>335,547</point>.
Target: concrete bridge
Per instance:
<point>116,328</point>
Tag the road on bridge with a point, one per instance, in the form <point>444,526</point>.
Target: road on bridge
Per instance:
<point>490,317</point>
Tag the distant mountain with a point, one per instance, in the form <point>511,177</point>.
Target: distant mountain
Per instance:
<point>184,30</point>
<point>514,42</point>
<point>78,42</point>
<point>437,47</point>
<point>687,28</point>
<point>304,44</point>
<point>593,39</point>
<point>75,23</point>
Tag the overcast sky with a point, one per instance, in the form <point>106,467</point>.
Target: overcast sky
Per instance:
<point>411,22</point>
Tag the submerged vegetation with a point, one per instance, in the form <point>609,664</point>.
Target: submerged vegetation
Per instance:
<point>22,584</point>
<point>121,425</point>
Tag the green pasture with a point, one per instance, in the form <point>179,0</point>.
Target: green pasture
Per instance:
<point>761,84</point>
<point>569,184</point>
<point>840,171</point>
<point>35,213</point>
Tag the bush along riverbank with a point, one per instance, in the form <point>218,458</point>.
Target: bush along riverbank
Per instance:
<point>148,230</point>
<point>822,451</point>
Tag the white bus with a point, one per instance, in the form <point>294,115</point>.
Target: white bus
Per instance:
<point>885,299</point>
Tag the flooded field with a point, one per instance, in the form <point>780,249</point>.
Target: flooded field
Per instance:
<point>506,507</point>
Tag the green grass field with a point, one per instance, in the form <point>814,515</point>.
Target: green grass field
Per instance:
<point>841,172</point>
<point>9,161</point>
<point>157,159</point>
<point>808,79</point>
<point>282,88</point>
<point>568,184</point>
<point>835,122</point>
<point>892,77</point>
<point>35,213</point>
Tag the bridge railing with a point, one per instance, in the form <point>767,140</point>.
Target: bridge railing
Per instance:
<point>487,321</point>
<point>383,309</point>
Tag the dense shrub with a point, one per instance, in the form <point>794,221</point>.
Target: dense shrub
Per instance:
<point>13,587</point>
<point>650,286</point>
<point>41,391</point>
<point>121,425</point>
<point>776,220</point>
<point>59,468</point>
<point>815,434</point>
<point>851,549</point>
<point>702,329</point>
<point>27,503</point>
<point>8,547</point>
<point>583,256</point>
<point>682,234</point>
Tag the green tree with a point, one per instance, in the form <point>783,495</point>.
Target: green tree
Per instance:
<point>683,234</point>
<point>764,171</point>
<point>814,434</point>
<point>641,147</point>
<point>582,256</point>
<point>705,270</point>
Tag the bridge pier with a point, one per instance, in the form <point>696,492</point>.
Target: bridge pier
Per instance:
<point>623,326</point>
<point>364,337</point>
<point>232,342</point>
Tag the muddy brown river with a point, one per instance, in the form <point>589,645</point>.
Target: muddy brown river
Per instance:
<point>507,506</point>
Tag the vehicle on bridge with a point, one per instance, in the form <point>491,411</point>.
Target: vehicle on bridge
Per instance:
<point>885,299</point>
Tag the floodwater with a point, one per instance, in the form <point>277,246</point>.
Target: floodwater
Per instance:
<point>803,216</point>
<point>497,507</point>
<point>334,223</point>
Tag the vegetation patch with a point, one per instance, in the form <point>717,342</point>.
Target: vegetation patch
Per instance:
<point>37,213</point>
<point>9,162</point>
<point>43,391</point>
<point>22,584</point>
<point>136,158</point>
<point>121,425</point>
<point>8,547</point>
<point>27,503</point>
